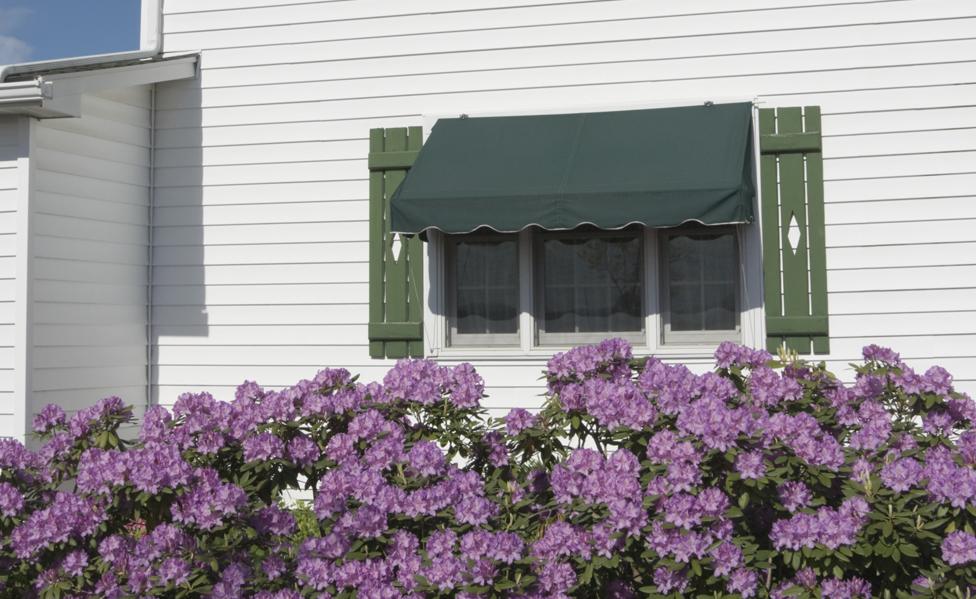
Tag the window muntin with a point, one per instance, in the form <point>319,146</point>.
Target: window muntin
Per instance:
<point>699,285</point>
<point>589,284</point>
<point>483,286</point>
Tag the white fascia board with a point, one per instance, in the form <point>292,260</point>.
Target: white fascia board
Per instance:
<point>67,84</point>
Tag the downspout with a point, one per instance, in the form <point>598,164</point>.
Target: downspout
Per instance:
<point>151,46</point>
<point>150,343</point>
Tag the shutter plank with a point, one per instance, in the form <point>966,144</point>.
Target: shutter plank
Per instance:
<point>415,266</point>
<point>376,235</point>
<point>818,242</point>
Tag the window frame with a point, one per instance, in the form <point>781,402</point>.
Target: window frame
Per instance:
<point>712,337</point>
<point>455,339</point>
<point>546,339</point>
<point>752,316</point>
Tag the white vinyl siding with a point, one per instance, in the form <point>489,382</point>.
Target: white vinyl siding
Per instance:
<point>90,211</point>
<point>13,163</point>
<point>261,217</point>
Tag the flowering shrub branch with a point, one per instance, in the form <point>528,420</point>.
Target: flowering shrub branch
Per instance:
<point>637,478</point>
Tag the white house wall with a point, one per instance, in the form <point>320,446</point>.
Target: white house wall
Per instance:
<point>13,177</point>
<point>261,218</point>
<point>90,211</point>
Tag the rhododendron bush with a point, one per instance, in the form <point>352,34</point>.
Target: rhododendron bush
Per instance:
<point>637,479</point>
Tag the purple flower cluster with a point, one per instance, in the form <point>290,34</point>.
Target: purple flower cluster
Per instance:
<point>829,527</point>
<point>67,517</point>
<point>643,476</point>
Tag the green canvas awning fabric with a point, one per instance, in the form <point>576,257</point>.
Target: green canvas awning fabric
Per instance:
<point>657,167</point>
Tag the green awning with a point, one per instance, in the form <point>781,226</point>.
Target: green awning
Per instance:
<point>658,167</point>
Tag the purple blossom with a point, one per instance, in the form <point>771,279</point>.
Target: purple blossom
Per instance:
<point>901,475</point>
<point>303,450</point>
<point>750,465</point>
<point>49,417</point>
<point>959,548</point>
<point>794,495</point>
<point>75,562</point>
<point>263,447</point>
<point>743,581</point>
<point>11,501</point>
<point>518,420</point>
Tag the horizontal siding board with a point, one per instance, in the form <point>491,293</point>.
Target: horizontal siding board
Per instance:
<point>89,229</point>
<point>84,270</point>
<point>88,335</point>
<point>244,294</point>
<point>904,210</point>
<point>83,357</point>
<point>67,313</point>
<point>268,253</point>
<point>898,233</point>
<point>65,248</point>
<point>104,128</point>
<point>880,279</point>
<point>80,186</point>
<point>88,292</point>
<point>902,255</point>
<point>894,186</point>
<point>876,301</point>
<point>307,314</point>
<point>258,153</point>
<point>58,379</point>
<point>88,166</point>
<point>267,233</point>
<point>905,324</point>
<point>76,399</point>
<point>291,212</point>
<point>72,142</point>
<point>904,119</point>
<point>270,193</point>
<point>262,274</point>
<point>903,142</point>
<point>260,173</point>
<point>116,212</point>
<point>336,334</point>
<point>273,133</point>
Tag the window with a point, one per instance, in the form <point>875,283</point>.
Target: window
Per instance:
<point>558,288</point>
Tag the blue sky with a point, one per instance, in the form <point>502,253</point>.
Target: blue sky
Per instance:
<point>44,29</point>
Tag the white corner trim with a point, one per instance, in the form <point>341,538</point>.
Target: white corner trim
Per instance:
<point>23,334</point>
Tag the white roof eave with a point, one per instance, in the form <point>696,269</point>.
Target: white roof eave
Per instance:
<point>58,94</point>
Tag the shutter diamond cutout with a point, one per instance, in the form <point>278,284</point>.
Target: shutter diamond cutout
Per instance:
<point>395,246</point>
<point>794,234</point>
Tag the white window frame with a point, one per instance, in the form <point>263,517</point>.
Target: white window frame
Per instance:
<point>752,328</point>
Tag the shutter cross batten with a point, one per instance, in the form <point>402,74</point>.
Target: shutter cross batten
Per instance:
<point>794,247</point>
<point>396,273</point>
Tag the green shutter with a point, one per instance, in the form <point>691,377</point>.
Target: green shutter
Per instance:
<point>396,280</point>
<point>795,271</point>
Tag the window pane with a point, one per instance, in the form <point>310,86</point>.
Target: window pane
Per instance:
<point>592,285</point>
<point>487,286</point>
<point>702,274</point>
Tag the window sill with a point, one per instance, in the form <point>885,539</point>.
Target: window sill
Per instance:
<point>690,353</point>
